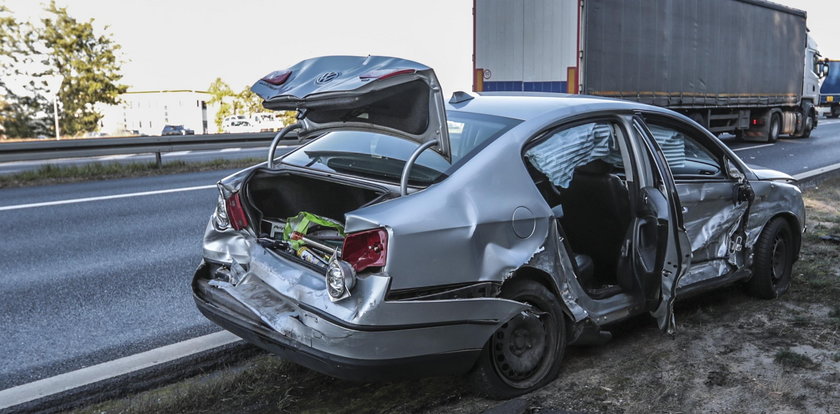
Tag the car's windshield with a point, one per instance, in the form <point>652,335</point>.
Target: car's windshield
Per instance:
<point>382,157</point>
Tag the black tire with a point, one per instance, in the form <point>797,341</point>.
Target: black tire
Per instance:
<point>835,111</point>
<point>739,135</point>
<point>773,260</point>
<point>808,127</point>
<point>774,127</point>
<point>525,353</point>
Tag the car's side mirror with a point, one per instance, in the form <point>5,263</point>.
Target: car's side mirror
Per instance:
<point>732,170</point>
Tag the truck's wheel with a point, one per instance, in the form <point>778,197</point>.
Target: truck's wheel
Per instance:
<point>835,111</point>
<point>809,121</point>
<point>524,353</point>
<point>774,127</point>
<point>773,260</point>
<point>808,127</point>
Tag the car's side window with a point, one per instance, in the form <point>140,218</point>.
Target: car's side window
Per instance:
<point>561,153</point>
<point>687,158</point>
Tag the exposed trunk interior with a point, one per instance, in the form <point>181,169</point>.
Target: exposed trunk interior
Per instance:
<point>283,195</point>
<point>301,217</point>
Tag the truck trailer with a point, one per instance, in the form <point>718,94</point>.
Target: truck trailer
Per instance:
<point>830,91</point>
<point>745,67</point>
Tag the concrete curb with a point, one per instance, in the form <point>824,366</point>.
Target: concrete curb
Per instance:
<point>55,395</point>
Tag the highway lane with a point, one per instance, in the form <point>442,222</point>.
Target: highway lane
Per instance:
<point>90,282</point>
<point>794,155</point>
<point>85,283</point>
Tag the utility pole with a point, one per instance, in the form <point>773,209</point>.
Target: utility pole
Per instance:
<point>55,112</point>
<point>53,83</point>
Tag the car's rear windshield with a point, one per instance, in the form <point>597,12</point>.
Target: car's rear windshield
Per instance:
<point>382,157</point>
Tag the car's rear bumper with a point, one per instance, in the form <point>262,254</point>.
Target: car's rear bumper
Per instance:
<point>304,334</point>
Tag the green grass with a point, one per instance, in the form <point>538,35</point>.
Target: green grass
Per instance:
<point>790,359</point>
<point>51,174</point>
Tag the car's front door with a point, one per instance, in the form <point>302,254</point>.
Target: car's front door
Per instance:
<point>715,198</point>
<point>661,251</point>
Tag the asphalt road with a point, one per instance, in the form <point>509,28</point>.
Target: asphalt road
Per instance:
<point>88,282</point>
<point>794,155</point>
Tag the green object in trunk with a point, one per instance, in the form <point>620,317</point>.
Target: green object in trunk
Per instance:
<point>303,223</point>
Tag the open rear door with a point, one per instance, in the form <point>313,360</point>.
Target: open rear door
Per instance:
<point>662,251</point>
<point>382,94</point>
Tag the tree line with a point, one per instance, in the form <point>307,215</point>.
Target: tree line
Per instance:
<point>31,53</point>
<point>89,65</point>
<point>239,103</point>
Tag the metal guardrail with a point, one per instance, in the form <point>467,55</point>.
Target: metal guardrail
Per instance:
<point>92,147</point>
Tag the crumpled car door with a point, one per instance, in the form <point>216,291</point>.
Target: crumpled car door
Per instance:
<point>661,247</point>
<point>373,93</point>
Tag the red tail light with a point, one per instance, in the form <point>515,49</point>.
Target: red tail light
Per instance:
<point>278,77</point>
<point>384,73</point>
<point>365,249</point>
<point>235,212</point>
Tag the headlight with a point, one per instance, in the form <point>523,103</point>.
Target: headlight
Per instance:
<point>340,279</point>
<point>220,218</point>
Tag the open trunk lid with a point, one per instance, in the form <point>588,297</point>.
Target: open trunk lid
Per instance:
<point>381,94</point>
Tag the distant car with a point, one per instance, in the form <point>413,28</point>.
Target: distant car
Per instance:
<point>236,125</point>
<point>176,130</point>
<point>414,236</point>
<point>267,122</point>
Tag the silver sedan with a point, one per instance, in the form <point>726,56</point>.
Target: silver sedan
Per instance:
<point>412,235</point>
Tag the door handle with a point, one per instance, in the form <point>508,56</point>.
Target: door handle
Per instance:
<point>684,210</point>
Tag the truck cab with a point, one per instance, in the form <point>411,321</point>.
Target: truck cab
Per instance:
<point>830,90</point>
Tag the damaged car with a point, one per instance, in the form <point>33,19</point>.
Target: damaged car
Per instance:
<point>482,234</point>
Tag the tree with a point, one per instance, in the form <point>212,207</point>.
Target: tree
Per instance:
<point>89,64</point>
<point>219,90</point>
<point>60,45</point>
<point>245,102</point>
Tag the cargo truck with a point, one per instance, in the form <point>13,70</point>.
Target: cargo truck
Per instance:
<point>830,91</point>
<point>745,67</point>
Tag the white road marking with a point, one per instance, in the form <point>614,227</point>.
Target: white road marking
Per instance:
<point>231,150</point>
<point>752,147</point>
<point>108,197</point>
<point>818,171</point>
<point>176,153</point>
<point>111,369</point>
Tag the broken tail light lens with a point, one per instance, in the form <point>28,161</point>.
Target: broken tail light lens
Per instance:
<point>235,213</point>
<point>384,73</point>
<point>278,77</point>
<point>365,249</point>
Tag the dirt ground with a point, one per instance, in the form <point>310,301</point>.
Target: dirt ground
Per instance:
<point>731,353</point>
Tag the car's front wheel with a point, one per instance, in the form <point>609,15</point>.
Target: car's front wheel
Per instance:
<point>525,352</point>
<point>773,260</point>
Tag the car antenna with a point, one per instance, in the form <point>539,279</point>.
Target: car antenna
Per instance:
<point>460,96</point>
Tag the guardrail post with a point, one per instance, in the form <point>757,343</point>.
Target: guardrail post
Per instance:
<point>158,162</point>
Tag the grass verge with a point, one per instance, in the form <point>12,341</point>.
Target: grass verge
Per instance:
<point>51,174</point>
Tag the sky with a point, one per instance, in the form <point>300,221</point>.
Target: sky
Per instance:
<point>185,44</point>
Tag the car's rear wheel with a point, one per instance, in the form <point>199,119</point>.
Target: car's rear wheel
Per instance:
<point>525,352</point>
<point>773,260</point>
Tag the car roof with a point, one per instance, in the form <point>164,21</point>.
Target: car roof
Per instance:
<point>527,105</point>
